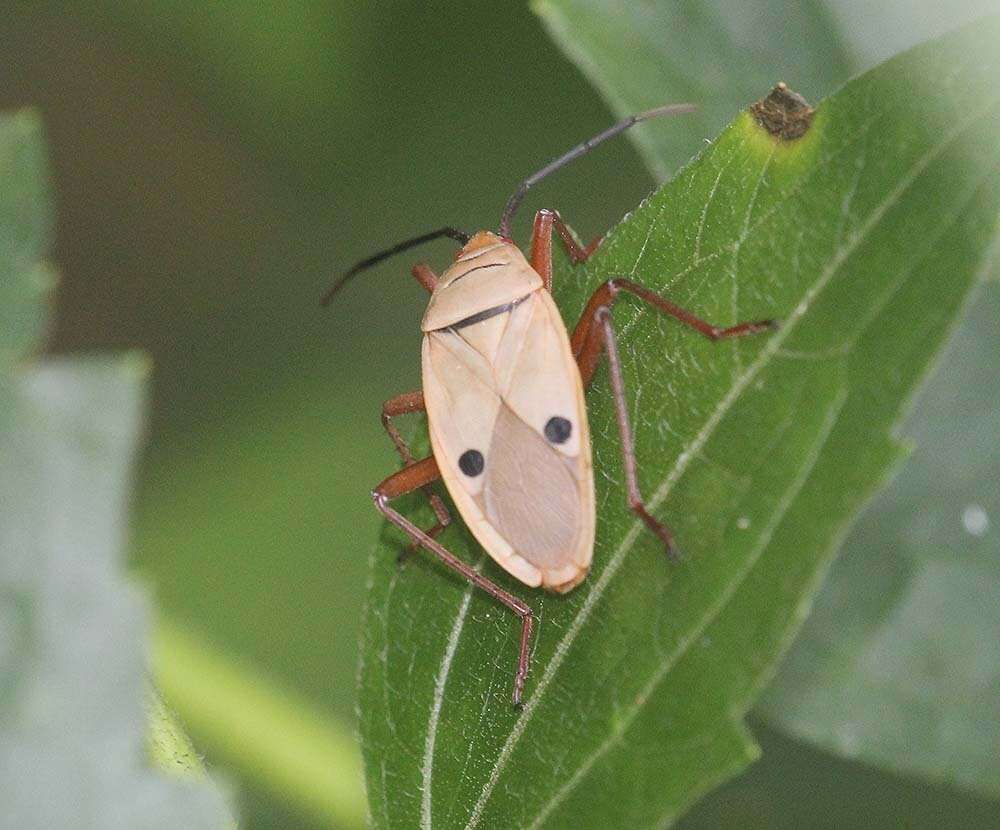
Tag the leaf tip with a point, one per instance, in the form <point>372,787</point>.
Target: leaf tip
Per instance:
<point>784,113</point>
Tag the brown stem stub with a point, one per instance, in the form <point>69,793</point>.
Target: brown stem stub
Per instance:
<point>784,113</point>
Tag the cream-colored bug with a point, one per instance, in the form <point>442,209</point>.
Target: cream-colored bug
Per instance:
<point>503,388</point>
<point>507,419</point>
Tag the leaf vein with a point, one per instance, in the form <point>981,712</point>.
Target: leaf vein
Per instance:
<point>427,768</point>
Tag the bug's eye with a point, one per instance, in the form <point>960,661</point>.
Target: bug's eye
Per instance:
<point>471,462</point>
<point>558,429</point>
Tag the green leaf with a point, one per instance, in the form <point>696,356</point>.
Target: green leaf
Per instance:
<point>899,662</point>
<point>72,658</point>
<point>839,690</point>
<point>864,237</point>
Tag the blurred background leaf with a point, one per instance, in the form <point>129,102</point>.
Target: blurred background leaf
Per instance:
<point>25,277</point>
<point>73,717</point>
<point>215,164</point>
<point>288,750</point>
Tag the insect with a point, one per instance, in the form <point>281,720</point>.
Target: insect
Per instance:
<point>503,389</point>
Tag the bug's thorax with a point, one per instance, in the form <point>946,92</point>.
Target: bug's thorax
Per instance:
<point>488,273</point>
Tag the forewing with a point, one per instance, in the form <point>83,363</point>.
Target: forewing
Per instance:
<point>531,505</point>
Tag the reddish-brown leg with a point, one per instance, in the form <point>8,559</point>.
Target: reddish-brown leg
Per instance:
<point>595,332</point>
<point>405,404</point>
<point>420,474</point>
<point>425,276</point>
<point>541,244</point>
<point>587,339</point>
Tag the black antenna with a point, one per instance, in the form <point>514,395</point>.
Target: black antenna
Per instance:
<point>515,201</point>
<point>374,259</point>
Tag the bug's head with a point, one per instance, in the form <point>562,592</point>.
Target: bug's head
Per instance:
<point>480,242</point>
<point>489,274</point>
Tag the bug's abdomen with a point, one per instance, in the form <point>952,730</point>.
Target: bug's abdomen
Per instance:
<point>509,432</point>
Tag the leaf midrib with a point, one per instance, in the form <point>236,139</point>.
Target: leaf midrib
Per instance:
<point>427,768</point>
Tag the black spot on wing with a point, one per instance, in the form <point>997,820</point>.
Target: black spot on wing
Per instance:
<point>558,429</point>
<point>471,462</point>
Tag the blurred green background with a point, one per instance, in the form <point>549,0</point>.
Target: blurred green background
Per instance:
<point>215,165</point>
